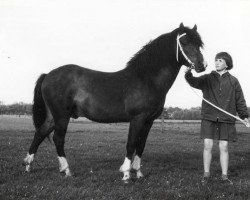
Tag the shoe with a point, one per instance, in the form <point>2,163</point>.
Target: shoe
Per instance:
<point>205,178</point>
<point>226,180</point>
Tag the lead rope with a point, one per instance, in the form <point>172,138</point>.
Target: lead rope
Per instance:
<point>220,109</point>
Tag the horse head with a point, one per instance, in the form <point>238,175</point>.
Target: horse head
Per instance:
<point>188,48</point>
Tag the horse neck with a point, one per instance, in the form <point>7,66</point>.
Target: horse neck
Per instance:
<point>166,77</point>
<point>156,64</point>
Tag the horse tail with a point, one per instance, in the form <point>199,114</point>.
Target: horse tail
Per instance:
<point>38,108</point>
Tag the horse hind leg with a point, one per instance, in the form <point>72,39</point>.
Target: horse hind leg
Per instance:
<point>59,140</point>
<point>40,134</point>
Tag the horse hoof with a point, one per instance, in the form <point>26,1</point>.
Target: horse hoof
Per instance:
<point>66,174</point>
<point>27,168</point>
<point>26,172</point>
<point>139,175</point>
<point>126,181</point>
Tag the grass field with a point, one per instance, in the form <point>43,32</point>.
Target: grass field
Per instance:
<point>172,164</point>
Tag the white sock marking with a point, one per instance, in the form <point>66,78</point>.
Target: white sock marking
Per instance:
<point>126,166</point>
<point>28,160</point>
<point>136,165</point>
<point>126,176</point>
<point>139,174</point>
<point>64,166</point>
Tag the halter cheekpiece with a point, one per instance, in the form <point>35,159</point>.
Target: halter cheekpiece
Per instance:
<point>178,45</point>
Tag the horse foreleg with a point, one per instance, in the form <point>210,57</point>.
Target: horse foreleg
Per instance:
<point>141,142</point>
<point>136,125</point>
<point>136,165</point>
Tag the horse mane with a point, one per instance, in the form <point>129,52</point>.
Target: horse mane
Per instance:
<point>158,52</point>
<point>148,58</point>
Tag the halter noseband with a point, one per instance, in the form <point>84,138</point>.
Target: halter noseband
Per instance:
<point>178,45</point>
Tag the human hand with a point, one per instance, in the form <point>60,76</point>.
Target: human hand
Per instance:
<point>188,70</point>
<point>246,121</point>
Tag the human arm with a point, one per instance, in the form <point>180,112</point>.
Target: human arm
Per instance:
<point>241,106</point>
<point>196,82</point>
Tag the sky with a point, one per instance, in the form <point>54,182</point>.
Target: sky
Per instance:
<point>37,36</point>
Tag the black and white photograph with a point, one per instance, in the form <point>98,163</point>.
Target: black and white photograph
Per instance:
<point>120,99</point>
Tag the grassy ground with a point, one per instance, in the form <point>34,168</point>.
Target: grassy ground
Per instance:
<point>172,164</point>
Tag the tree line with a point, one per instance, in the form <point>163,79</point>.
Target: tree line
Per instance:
<point>193,113</point>
<point>177,113</point>
<point>16,109</point>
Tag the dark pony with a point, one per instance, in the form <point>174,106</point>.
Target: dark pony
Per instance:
<point>135,94</point>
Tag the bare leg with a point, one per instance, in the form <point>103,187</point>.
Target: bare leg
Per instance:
<point>207,154</point>
<point>224,156</point>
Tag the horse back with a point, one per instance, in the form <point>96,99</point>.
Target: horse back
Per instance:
<point>78,91</point>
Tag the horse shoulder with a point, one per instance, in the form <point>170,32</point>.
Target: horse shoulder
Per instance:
<point>143,98</point>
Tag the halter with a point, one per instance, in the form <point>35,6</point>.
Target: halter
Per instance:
<point>178,45</point>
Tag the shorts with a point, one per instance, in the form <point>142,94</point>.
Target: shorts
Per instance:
<point>218,130</point>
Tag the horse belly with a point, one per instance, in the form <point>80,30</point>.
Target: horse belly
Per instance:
<point>100,110</point>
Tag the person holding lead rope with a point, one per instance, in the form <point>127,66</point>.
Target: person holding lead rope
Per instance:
<point>223,91</point>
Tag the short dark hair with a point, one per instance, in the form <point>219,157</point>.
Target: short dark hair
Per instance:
<point>228,59</point>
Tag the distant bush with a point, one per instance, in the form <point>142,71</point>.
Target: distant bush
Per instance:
<point>16,109</point>
<point>184,114</point>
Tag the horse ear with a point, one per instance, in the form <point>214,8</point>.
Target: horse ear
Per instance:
<point>195,28</point>
<point>181,25</point>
